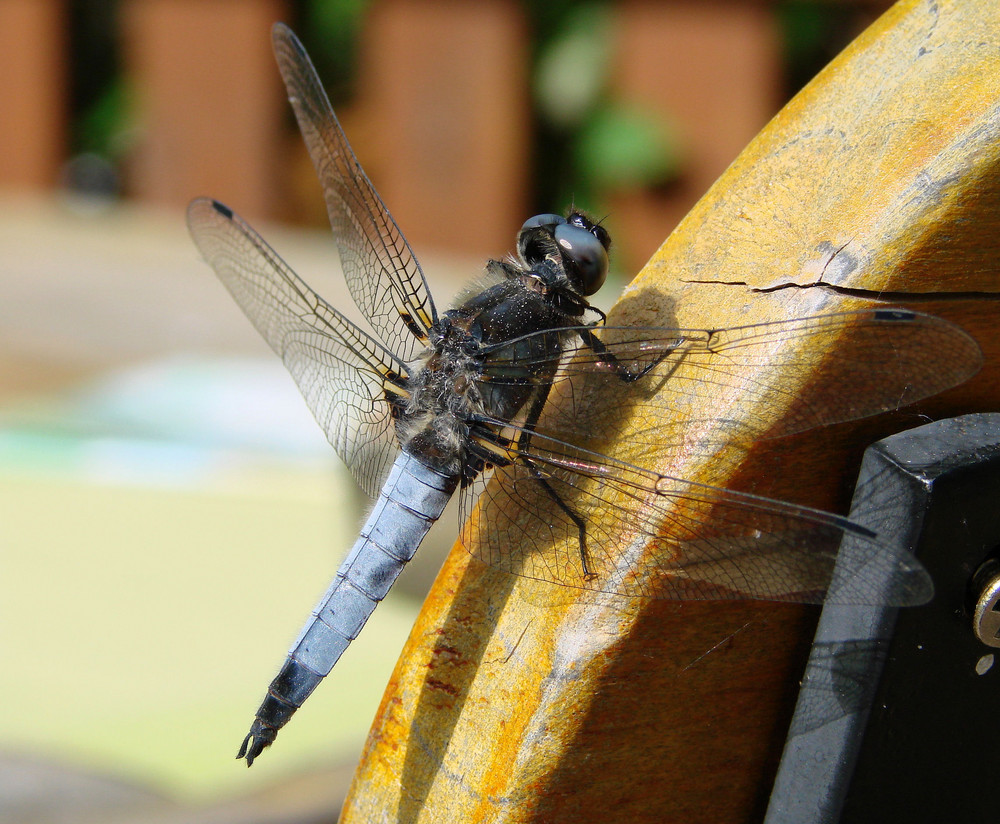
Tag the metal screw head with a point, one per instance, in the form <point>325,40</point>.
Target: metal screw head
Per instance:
<point>986,615</point>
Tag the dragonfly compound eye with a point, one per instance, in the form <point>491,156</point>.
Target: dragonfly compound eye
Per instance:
<point>585,258</point>
<point>584,222</point>
<point>536,240</point>
<point>548,222</point>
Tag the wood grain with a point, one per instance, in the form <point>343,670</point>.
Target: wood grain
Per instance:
<point>878,182</point>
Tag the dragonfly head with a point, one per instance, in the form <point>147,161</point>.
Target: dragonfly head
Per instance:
<point>580,244</point>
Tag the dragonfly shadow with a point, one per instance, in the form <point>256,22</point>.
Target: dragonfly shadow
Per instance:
<point>840,680</point>
<point>644,306</point>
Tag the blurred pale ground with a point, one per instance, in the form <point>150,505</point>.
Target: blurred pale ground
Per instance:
<point>169,513</point>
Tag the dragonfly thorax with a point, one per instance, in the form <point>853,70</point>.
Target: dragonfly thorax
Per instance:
<point>443,397</point>
<point>483,362</point>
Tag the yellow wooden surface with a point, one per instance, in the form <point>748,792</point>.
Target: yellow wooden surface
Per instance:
<point>880,178</point>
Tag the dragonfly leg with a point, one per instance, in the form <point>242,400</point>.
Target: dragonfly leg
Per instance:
<point>524,450</point>
<point>608,358</point>
<point>581,527</point>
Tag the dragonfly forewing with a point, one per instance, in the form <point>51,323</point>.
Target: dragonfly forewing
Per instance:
<point>766,380</point>
<point>382,273</point>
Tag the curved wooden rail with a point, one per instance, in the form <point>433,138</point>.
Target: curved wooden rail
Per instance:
<point>881,178</point>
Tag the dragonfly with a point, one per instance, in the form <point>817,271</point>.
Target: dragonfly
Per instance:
<point>518,382</point>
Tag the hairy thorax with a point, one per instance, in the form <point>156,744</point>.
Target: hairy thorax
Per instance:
<point>434,421</point>
<point>482,370</point>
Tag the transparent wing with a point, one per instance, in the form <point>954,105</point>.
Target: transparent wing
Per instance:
<point>622,529</point>
<point>342,371</point>
<point>564,512</point>
<point>382,273</point>
<point>878,360</point>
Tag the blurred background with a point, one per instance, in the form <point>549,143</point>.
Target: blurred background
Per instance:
<point>169,510</point>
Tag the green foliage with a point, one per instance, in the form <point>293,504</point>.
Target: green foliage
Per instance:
<point>588,143</point>
<point>330,33</point>
<point>814,32</point>
<point>571,69</point>
<point>106,126</point>
<point>625,146</point>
